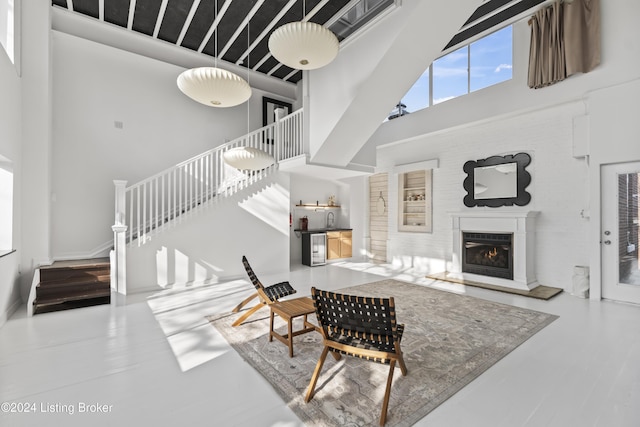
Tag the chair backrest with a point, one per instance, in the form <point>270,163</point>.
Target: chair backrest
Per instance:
<point>252,276</point>
<point>362,317</point>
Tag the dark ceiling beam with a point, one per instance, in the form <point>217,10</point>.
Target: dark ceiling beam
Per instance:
<point>242,26</point>
<point>163,10</point>
<point>214,25</point>
<point>493,21</point>
<point>267,30</point>
<point>187,22</point>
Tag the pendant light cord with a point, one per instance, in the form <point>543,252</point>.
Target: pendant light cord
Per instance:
<point>215,36</point>
<point>248,74</point>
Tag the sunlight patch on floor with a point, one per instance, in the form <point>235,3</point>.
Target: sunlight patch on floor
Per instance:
<point>181,316</point>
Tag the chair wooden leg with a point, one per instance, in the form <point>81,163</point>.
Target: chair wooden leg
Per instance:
<point>385,402</point>
<point>247,314</point>
<point>243,303</point>
<point>271,315</point>
<point>403,367</point>
<point>316,374</point>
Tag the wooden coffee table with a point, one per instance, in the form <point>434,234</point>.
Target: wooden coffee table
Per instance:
<point>289,310</point>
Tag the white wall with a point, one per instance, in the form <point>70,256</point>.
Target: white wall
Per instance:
<point>510,117</point>
<point>95,86</point>
<point>614,137</point>
<point>10,136</point>
<point>559,189</point>
<point>356,196</point>
<point>208,246</point>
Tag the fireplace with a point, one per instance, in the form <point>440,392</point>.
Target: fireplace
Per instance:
<point>488,254</point>
<point>495,246</point>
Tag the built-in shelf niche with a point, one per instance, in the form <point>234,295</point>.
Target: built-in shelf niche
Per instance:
<point>415,195</point>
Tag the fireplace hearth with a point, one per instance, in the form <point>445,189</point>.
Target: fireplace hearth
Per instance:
<point>488,254</point>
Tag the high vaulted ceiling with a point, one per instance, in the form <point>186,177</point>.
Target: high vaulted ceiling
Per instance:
<point>195,24</point>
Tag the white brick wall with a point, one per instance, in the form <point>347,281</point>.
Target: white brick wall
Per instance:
<point>559,188</point>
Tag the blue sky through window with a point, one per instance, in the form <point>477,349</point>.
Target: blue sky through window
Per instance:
<point>490,62</point>
<point>450,75</point>
<point>491,59</point>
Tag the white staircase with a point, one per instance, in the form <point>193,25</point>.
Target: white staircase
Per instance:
<point>155,204</point>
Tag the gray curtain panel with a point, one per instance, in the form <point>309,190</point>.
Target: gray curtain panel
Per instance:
<point>565,39</point>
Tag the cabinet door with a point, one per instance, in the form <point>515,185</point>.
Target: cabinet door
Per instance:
<point>345,244</point>
<point>333,247</point>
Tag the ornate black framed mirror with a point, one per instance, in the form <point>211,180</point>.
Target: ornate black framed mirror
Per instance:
<point>497,181</point>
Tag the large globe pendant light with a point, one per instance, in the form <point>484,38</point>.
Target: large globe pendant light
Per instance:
<point>303,45</point>
<point>214,87</point>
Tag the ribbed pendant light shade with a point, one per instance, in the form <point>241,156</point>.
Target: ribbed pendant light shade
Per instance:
<point>248,158</point>
<point>214,87</point>
<point>303,45</point>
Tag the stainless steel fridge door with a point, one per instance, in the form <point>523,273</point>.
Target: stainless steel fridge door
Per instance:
<point>318,249</point>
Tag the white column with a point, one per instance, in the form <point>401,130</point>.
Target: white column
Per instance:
<point>34,176</point>
<point>119,258</point>
<point>121,202</point>
<point>280,113</point>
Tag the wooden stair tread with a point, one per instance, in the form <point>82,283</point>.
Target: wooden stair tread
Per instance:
<point>62,290</point>
<point>77,264</point>
<point>75,281</point>
<point>95,293</point>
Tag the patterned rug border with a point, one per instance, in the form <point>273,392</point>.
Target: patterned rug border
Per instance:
<point>311,414</point>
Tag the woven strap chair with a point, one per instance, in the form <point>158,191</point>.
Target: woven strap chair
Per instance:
<point>362,327</point>
<point>266,295</point>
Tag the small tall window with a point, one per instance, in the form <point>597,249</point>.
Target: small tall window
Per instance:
<point>483,63</point>
<point>6,205</point>
<point>6,27</point>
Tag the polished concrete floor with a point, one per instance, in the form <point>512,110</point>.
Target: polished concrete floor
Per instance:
<point>153,360</point>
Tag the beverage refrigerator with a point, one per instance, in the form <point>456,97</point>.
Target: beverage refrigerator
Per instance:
<point>314,249</point>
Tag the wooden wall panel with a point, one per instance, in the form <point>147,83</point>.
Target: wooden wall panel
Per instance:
<point>378,223</point>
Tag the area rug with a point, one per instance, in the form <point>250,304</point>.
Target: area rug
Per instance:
<point>539,292</point>
<point>449,340</point>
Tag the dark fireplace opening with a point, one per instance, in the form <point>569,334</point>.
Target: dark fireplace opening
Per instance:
<point>488,254</point>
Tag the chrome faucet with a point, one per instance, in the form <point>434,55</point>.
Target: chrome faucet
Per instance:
<point>330,220</point>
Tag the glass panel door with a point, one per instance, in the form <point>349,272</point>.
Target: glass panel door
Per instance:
<point>628,228</point>
<point>619,234</point>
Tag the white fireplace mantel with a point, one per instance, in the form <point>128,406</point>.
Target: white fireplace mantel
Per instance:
<point>521,224</point>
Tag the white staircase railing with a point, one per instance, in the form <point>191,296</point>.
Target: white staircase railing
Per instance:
<point>153,204</point>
